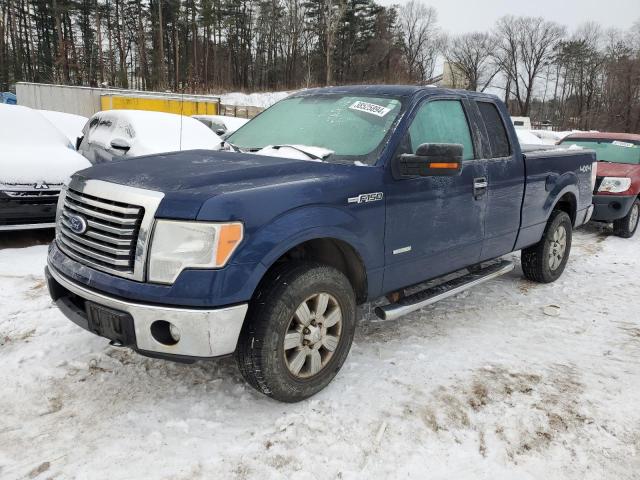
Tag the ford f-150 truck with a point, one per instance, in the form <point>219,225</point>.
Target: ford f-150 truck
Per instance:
<point>329,199</point>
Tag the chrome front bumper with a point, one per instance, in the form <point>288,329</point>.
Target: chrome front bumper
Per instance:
<point>203,333</point>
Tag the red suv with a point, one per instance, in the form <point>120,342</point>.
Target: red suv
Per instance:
<point>616,197</point>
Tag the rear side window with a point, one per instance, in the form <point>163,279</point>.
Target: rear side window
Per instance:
<point>442,121</point>
<point>498,138</point>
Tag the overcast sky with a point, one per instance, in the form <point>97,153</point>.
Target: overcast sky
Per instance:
<point>470,15</point>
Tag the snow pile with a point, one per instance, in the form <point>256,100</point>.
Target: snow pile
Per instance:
<point>264,100</point>
<point>551,138</point>
<point>23,126</point>
<point>510,380</point>
<point>526,137</point>
<point>298,152</point>
<point>32,150</point>
<point>69,124</point>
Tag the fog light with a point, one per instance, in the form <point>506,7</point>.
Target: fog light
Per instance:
<point>175,332</point>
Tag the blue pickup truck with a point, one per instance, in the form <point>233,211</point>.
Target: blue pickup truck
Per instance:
<point>329,199</point>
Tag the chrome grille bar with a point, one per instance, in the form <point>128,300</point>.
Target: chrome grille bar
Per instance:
<point>121,252</point>
<point>102,205</point>
<point>99,215</point>
<point>91,254</point>
<point>32,193</point>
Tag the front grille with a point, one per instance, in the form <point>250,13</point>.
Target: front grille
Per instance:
<point>32,197</point>
<point>598,183</point>
<point>110,239</point>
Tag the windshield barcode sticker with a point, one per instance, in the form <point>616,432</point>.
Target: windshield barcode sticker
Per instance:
<point>618,143</point>
<point>371,108</point>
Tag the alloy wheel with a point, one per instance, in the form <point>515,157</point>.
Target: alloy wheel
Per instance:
<point>313,335</point>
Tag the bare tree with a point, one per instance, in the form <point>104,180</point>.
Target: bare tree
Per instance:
<point>525,47</point>
<point>470,57</point>
<point>421,40</point>
<point>334,13</point>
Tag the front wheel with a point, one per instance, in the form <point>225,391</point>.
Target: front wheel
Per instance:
<point>298,331</point>
<point>627,226</point>
<point>545,261</point>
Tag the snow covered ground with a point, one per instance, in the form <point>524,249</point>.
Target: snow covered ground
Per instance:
<point>512,380</point>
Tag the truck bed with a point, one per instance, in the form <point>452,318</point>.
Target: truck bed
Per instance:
<point>553,175</point>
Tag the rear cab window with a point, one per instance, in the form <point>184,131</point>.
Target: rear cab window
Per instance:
<point>497,132</point>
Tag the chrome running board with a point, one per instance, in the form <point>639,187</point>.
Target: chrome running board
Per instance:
<point>448,289</point>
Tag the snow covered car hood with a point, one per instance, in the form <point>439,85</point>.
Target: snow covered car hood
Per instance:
<point>51,164</point>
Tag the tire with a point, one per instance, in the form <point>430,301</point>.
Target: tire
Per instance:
<point>277,314</point>
<point>545,261</point>
<point>627,226</point>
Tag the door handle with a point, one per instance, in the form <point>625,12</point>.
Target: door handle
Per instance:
<point>480,185</point>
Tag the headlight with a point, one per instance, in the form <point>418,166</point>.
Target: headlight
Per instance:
<point>615,184</point>
<point>177,245</point>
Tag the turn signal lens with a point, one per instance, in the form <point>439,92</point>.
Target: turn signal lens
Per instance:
<point>229,238</point>
<point>445,165</point>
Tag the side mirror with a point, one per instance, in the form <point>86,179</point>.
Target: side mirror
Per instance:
<point>120,144</point>
<point>430,160</point>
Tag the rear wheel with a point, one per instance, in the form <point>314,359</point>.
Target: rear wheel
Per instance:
<point>545,261</point>
<point>298,332</point>
<point>627,226</point>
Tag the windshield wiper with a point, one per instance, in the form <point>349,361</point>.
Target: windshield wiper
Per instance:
<point>235,148</point>
<point>308,154</point>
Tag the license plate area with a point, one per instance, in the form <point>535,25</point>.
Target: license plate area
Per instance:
<point>110,323</point>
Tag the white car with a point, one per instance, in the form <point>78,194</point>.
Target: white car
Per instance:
<point>221,124</point>
<point>35,160</point>
<point>114,134</point>
<point>68,123</point>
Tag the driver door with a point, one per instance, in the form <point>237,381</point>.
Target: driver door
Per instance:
<point>435,225</point>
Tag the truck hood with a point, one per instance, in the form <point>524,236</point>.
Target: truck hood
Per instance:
<point>198,183</point>
<point>607,169</point>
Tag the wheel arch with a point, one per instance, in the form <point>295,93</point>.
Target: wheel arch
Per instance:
<point>568,203</point>
<point>333,251</point>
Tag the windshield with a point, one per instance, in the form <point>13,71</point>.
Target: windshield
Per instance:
<point>616,151</point>
<point>352,127</point>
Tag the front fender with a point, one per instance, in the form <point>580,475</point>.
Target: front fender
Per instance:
<point>362,227</point>
<point>266,244</point>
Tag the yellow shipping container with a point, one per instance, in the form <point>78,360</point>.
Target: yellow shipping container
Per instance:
<point>173,104</point>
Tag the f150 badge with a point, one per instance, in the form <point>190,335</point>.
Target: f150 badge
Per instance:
<point>366,198</point>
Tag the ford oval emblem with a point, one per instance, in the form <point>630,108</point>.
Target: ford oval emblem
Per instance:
<point>77,224</point>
